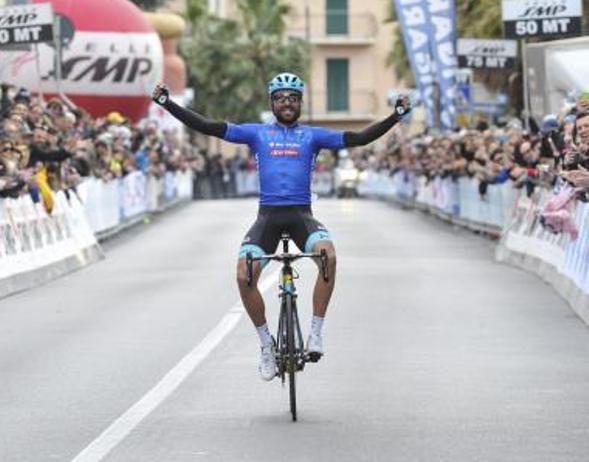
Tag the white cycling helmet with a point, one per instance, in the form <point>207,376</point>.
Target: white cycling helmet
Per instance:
<point>286,81</point>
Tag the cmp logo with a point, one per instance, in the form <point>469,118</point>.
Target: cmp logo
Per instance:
<point>542,17</point>
<point>544,9</point>
<point>486,54</point>
<point>107,61</point>
<point>103,69</point>
<point>489,50</point>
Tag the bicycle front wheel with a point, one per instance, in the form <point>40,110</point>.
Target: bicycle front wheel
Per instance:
<point>291,354</point>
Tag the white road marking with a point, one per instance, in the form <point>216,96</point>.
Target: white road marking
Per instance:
<point>121,427</point>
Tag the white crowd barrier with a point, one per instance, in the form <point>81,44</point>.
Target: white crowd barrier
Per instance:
<point>524,242</point>
<point>36,246</point>
<point>556,258</point>
<point>458,200</point>
<point>109,205</point>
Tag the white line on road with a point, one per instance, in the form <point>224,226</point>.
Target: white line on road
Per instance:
<point>121,427</point>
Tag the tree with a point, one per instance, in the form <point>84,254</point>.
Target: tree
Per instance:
<point>230,61</point>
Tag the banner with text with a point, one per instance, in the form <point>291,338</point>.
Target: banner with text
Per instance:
<point>415,26</point>
<point>541,18</point>
<point>442,35</point>
<point>486,54</point>
<point>24,24</point>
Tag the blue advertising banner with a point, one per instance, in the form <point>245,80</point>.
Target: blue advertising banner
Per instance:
<point>442,17</point>
<point>415,25</point>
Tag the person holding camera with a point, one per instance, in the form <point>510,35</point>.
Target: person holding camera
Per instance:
<point>576,161</point>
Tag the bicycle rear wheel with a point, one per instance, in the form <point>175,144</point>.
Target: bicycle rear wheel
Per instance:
<point>291,354</point>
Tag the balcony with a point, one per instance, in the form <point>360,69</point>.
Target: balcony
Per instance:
<point>361,106</point>
<point>335,28</point>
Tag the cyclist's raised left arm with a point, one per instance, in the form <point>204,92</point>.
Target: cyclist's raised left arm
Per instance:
<point>376,130</point>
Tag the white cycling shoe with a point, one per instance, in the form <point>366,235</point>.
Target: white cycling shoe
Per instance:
<point>268,362</point>
<point>314,348</point>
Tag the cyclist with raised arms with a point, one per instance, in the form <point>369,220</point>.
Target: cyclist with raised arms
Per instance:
<point>285,152</point>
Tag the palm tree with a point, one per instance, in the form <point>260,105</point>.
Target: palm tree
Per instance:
<point>266,45</point>
<point>230,61</point>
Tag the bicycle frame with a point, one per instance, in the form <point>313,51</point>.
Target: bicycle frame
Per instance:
<point>288,296</point>
<point>290,355</point>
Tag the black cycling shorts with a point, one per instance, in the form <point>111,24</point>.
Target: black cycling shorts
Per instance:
<point>297,220</point>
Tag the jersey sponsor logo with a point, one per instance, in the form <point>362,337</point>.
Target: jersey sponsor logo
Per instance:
<point>288,149</point>
<point>284,152</point>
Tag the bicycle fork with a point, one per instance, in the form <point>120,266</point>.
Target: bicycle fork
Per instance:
<point>288,291</point>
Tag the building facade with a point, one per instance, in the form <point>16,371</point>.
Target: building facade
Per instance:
<point>349,80</point>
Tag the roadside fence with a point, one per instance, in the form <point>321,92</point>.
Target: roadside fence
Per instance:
<point>506,213</point>
<point>36,247</point>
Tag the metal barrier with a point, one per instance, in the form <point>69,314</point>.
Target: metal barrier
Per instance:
<point>116,204</point>
<point>455,200</point>
<point>558,259</point>
<point>36,246</point>
<point>504,211</point>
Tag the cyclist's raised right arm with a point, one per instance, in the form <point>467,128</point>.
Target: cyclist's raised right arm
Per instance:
<point>194,120</point>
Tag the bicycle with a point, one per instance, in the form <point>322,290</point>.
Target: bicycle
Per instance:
<point>290,351</point>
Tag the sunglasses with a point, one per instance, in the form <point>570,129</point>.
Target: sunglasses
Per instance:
<point>291,98</point>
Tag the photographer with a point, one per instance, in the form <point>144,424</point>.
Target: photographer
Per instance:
<point>44,147</point>
<point>576,161</point>
<point>12,181</point>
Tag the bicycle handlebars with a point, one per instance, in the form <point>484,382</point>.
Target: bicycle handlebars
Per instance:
<point>286,258</point>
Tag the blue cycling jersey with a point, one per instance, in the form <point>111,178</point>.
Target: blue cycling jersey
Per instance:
<point>285,157</point>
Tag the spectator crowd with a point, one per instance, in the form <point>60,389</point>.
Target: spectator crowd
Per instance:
<point>47,146</point>
<point>552,154</point>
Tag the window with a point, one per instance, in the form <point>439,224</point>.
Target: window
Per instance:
<point>337,85</point>
<point>336,17</point>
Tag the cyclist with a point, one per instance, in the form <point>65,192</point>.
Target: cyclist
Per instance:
<point>285,153</point>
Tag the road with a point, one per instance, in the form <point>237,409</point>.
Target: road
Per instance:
<point>434,352</point>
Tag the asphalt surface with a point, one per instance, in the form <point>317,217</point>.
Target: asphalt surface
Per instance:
<point>434,352</point>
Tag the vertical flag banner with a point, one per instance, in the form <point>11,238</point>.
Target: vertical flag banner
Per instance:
<point>414,23</point>
<point>442,18</point>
